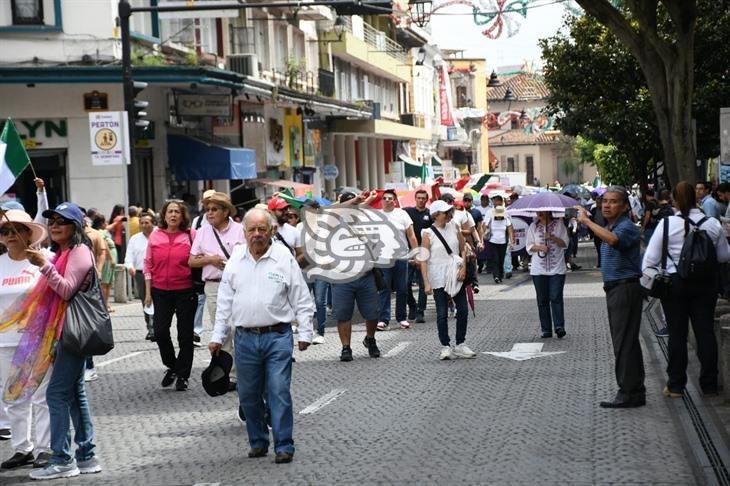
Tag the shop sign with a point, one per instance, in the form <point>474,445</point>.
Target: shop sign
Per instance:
<point>203,105</point>
<point>108,135</point>
<point>330,172</point>
<point>40,133</point>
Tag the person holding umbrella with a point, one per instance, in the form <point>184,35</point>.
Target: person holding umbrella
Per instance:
<point>546,242</point>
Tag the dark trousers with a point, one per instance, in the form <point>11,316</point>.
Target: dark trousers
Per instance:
<point>624,303</point>
<point>396,280</point>
<point>695,303</point>
<point>417,307</point>
<point>139,292</point>
<point>549,292</point>
<point>496,255</point>
<point>597,243</point>
<point>182,303</point>
<point>442,315</point>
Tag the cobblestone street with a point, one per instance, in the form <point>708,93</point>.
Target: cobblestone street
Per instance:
<point>406,418</point>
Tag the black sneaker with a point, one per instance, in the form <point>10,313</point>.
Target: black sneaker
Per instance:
<point>196,340</point>
<point>373,351</point>
<point>420,319</point>
<point>19,459</point>
<point>475,288</point>
<point>546,335</point>
<point>181,384</point>
<point>411,315</point>
<point>346,354</point>
<point>560,332</point>
<point>508,275</point>
<point>42,460</point>
<point>150,336</point>
<point>5,434</point>
<point>168,379</point>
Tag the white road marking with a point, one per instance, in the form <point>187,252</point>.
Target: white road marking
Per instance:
<point>110,361</point>
<point>323,401</point>
<point>397,349</point>
<point>524,351</point>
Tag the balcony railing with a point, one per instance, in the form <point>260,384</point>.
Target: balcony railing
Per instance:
<point>379,41</point>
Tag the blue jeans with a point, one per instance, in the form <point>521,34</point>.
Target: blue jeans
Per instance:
<point>320,288</point>
<point>414,275</point>
<point>396,279</point>
<point>263,365</point>
<point>549,291</point>
<point>198,326</point>
<point>66,397</point>
<point>442,315</point>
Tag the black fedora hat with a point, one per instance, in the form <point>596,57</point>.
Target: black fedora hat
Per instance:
<point>215,376</point>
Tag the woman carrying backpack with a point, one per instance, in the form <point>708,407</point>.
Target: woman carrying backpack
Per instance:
<point>695,246</point>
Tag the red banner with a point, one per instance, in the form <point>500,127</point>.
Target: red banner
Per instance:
<point>444,98</point>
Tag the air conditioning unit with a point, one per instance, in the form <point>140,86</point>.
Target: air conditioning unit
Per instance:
<point>245,64</point>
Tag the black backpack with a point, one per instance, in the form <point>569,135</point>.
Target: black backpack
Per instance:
<point>661,212</point>
<point>698,259</point>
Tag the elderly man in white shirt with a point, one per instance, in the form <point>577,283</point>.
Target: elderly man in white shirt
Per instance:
<point>262,291</point>
<point>134,261</point>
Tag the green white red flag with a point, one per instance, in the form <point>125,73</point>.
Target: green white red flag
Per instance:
<point>13,157</point>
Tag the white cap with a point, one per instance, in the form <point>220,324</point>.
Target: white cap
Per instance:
<point>440,207</point>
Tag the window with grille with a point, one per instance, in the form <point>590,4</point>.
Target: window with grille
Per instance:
<point>27,12</point>
<point>510,164</point>
<point>530,169</point>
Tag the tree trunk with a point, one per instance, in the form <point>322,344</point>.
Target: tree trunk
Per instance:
<point>668,67</point>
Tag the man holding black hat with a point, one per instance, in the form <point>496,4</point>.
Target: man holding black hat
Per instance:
<point>261,292</point>
<point>212,248</point>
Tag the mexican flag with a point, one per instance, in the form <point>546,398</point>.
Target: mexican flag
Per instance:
<point>13,157</point>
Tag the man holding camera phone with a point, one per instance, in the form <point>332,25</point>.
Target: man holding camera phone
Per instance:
<point>621,269</point>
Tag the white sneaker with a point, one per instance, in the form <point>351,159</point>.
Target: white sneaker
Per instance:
<point>405,325</point>
<point>89,466</point>
<point>463,351</point>
<point>446,353</point>
<point>382,326</point>
<point>55,471</point>
<point>91,375</point>
<point>318,339</point>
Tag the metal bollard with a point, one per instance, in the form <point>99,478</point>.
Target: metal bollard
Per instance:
<point>120,284</point>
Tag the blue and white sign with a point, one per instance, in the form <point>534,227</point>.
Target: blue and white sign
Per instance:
<point>330,172</point>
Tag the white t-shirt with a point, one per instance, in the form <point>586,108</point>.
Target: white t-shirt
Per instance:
<point>16,278</point>
<point>498,229</point>
<point>439,261</point>
<point>463,219</point>
<point>399,218</point>
<point>291,235</point>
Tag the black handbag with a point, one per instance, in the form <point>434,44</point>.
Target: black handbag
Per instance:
<point>196,274</point>
<point>87,330</point>
<point>657,283</point>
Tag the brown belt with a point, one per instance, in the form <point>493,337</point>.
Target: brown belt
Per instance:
<point>213,280</point>
<point>263,330</point>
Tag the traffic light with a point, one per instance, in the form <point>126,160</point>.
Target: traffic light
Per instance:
<point>140,107</point>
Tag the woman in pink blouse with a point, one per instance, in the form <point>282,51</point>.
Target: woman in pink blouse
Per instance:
<point>546,239</point>
<point>168,283</point>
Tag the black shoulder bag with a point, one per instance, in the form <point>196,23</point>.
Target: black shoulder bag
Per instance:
<point>658,282</point>
<point>220,243</point>
<point>196,274</point>
<point>87,330</point>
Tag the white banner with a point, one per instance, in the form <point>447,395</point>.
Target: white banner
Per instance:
<point>106,129</point>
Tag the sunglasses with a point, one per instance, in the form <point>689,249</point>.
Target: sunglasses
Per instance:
<point>59,222</point>
<point>7,231</point>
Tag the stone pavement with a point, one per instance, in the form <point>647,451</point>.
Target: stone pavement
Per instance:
<point>406,418</point>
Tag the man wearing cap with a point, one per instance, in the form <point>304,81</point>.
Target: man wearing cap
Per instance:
<point>261,292</point>
<point>286,233</point>
<point>213,246</point>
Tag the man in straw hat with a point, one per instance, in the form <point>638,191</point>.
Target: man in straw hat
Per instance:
<point>212,248</point>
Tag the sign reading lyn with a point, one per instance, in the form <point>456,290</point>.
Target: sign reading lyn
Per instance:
<point>108,135</point>
<point>40,134</point>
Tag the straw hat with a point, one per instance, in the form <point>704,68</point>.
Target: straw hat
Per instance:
<point>220,198</point>
<point>38,232</point>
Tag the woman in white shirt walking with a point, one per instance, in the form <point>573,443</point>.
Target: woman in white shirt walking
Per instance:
<point>688,299</point>
<point>547,239</point>
<point>434,273</point>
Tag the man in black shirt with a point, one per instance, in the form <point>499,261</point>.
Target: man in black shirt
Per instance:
<point>421,220</point>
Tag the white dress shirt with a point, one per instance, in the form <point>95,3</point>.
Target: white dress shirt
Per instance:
<point>136,250</point>
<point>262,293</point>
<point>653,255</point>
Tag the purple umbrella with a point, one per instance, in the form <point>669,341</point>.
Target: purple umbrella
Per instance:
<point>543,201</point>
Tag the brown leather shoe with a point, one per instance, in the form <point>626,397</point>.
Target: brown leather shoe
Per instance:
<point>284,457</point>
<point>257,452</point>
